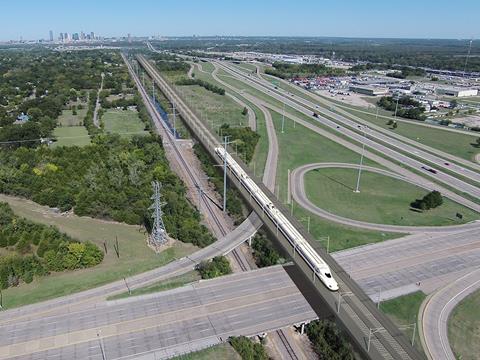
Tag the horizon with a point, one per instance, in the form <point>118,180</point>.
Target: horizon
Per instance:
<point>371,19</point>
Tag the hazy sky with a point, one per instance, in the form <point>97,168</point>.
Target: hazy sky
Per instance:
<point>32,19</point>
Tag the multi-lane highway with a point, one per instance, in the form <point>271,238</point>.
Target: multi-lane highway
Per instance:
<point>165,323</point>
<point>374,140</point>
<point>359,314</point>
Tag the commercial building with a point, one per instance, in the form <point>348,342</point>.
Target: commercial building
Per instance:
<point>457,92</point>
<point>368,90</point>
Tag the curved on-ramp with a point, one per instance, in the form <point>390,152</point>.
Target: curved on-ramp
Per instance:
<point>435,313</point>
<point>300,196</point>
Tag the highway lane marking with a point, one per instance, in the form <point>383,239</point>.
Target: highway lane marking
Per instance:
<point>116,328</point>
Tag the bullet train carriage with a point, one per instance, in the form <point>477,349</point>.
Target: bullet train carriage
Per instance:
<point>301,245</point>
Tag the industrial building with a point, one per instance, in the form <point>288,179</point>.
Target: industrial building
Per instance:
<point>369,90</point>
<point>457,92</point>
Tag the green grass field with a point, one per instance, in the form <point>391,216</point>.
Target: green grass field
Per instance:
<point>404,312</point>
<point>382,199</point>
<point>299,146</point>
<point>68,119</point>
<point>218,352</point>
<point>464,328</point>
<point>71,136</point>
<point>135,256</point>
<point>124,122</point>
<point>214,108</point>
<point>168,284</point>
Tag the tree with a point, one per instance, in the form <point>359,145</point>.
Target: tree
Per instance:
<point>430,201</point>
<point>453,103</point>
<point>245,111</point>
<point>217,267</point>
<point>390,122</point>
<point>395,125</point>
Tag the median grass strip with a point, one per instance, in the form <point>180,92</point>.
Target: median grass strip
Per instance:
<point>163,285</point>
<point>382,199</point>
<point>135,256</point>
<point>464,328</point>
<point>404,313</point>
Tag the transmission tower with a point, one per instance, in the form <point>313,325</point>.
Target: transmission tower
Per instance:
<point>159,234</point>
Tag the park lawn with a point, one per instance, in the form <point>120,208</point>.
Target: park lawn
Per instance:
<point>68,119</point>
<point>135,256</point>
<point>403,311</point>
<point>71,136</point>
<point>382,199</point>
<point>206,66</point>
<point>123,122</point>
<point>246,66</point>
<point>163,285</point>
<point>221,351</point>
<point>464,328</point>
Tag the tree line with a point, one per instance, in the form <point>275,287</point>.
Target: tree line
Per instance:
<point>289,71</point>
<point>407,107</point>
<point>109,179</point>
<point>37,249</point>
<point>206,85</point>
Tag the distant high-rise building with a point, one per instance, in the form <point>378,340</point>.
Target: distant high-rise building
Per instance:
<point>82,35</point>
<point>75,37</point>
<point>129,38</point>
<point>92,35</point>
<point>51,36</point>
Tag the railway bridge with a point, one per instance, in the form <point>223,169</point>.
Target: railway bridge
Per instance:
<point>375,336</point>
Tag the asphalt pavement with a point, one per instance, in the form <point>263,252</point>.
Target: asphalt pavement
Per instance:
<point>243,303</point>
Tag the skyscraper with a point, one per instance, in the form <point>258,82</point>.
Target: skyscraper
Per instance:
<point>51,36</point>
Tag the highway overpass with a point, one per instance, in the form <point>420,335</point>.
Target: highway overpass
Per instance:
<point>375,335</point>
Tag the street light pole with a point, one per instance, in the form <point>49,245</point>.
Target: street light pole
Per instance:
<point>357,189</point>
<point>396,107</point>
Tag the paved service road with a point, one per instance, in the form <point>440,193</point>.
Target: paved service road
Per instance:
<point>417,262</point>
<point>438,308</point>
<point>242,303</point>
<point>300,196</point>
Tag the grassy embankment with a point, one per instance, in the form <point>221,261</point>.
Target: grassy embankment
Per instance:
<point>135,256</point>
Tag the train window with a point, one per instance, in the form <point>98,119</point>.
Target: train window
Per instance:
<point>328,275</point>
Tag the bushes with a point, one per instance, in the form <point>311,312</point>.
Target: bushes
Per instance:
<point>217,267</point>
<point>55,251</point>
<point>109,179</point>
<point>285,71</point>
<point>247,349</point>
<point>213,88</point>
<point>430,201</point>
<point>328,342</point>
<point>407,107</point>
<point>263,251</point>
<point>245,140</point>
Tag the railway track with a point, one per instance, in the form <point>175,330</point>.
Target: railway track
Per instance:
<point>204,198</point>
<point>286,345</point>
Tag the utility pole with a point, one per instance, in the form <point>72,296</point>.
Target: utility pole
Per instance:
<point>357,189</point>
<point>174,122</point>
<point>396,107</point>
<point>283,118</point>
<point>159,234</point>
<point>466,59</point>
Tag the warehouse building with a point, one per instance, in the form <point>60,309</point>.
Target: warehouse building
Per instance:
<point>369,90</point>
<point>457,92</point>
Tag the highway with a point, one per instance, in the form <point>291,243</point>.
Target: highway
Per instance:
<point>339,110</point>
<point>360,315</point>
<point>424,262</point>
<point>300,196</point>
<point>436,311</point>
<point>163,323</point>
<point>306,106</point>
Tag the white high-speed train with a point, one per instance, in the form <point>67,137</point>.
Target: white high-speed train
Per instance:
<point>320,267</point>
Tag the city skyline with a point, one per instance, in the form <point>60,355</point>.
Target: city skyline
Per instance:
<point>368,19</point>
